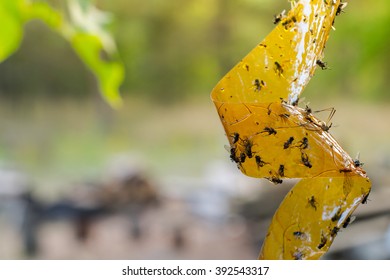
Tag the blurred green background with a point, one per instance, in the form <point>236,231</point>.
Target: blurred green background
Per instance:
<point>58,130</point>
<point>54,123</point>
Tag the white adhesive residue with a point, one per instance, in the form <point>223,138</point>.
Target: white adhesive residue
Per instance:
<point>348,211</point>
<point>329,214</point>
<point>266,60</point>
<point>330,211</point>
<point>302,29</point>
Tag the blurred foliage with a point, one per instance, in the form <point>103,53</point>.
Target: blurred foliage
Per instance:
<point>173,49</point>
<point>83,27</point>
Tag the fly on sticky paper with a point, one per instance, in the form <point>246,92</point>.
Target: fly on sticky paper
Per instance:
<point>272,137</point>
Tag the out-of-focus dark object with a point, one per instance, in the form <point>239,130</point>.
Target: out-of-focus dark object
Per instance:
<point>19,207</point>
<point>128,195</point>
<point>131,194</point>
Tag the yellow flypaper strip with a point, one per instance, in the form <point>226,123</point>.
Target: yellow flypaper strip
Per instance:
<point>271,137</point>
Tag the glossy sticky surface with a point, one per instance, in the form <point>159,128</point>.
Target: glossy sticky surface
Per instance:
<point>270,137</point>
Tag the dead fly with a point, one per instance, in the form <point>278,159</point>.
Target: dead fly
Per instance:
<point>281,170</point>
<point>322,64</point>
<point>259,161</point>
<point>278,68</point>
<point>288,21</point>
<point>345,170</point>
<point>324,125</point>
<point>308,110</point>
<point>248,147</point>
<point>337,215</point>
<point>269,130</point>
<point>308,114</point>
<point>348,221</point>
<point>233,156</point>
<point>357,162</point>
<point>334,231</point>
<point>312,202</point>
<point>364,201</point>
<point>278,18</point>
<point>288,143</point>
<point>242,158</point>
<point>295,102</point>
<point>284,116</point>
<point>305,160</point>
<point>304,144</point>
<point>258,84</point>
<point>323,241</point>
<point>235,137</point>
<point>274,180</point>
<point>341,8</point>
<point>299,235</point>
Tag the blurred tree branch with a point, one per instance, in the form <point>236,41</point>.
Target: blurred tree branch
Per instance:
<point>84,27</point>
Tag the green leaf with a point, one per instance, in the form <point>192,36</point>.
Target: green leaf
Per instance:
<point>11,31</point>
<point>110,74</point>
<point>85,29</point>
<point>45,13</point>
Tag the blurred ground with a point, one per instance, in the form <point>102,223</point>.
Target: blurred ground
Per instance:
<point>155,182</point>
